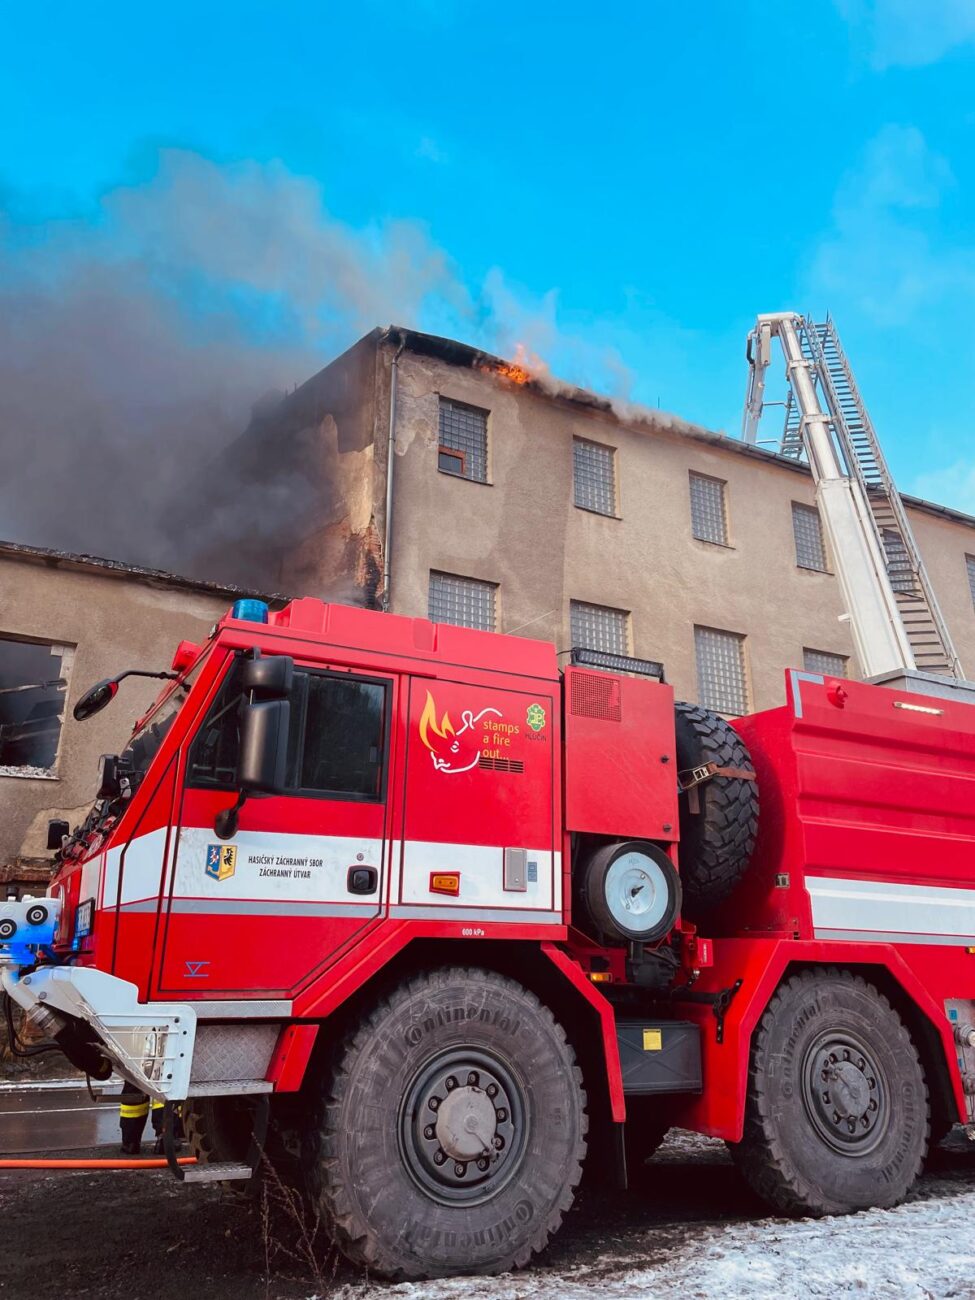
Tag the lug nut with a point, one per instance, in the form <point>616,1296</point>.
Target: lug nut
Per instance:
<point>499,1142</point>
<point>438,1157</point>
<point>429,1131</point>
<point>482,1164</point>
<point>451,1084</point>
<point>492,1090</point>
<point>434,1103</point>
<point>460,1170</point>
<point>472,1079</point>
<point>502,1114</point>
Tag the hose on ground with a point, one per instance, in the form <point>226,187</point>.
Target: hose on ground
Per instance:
<point>148,1163</point>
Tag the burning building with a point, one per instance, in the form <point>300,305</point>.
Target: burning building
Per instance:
<point>429,478</point>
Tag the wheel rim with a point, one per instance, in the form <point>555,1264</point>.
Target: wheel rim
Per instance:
<point>463,1126</point>
<point>637,892</point>
<point>845,1093</point>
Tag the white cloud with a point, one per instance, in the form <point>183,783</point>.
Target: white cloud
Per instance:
<point>430,151</point>
<point>910,33</point>
<point>953,486</point>
<point>884,254</point>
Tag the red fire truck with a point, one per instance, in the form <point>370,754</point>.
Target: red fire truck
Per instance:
<point>419,918</point>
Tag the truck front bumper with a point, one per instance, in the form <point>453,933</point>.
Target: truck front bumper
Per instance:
<point>150,1044</point>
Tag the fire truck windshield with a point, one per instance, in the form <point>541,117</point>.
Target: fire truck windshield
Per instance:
<point>144,744</point>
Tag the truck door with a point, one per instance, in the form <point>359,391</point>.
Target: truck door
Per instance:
<point>263,912</point>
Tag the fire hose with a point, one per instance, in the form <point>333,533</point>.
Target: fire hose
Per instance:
<point>149,1163</point>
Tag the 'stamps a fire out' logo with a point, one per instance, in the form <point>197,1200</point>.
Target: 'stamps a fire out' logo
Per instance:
<point>452,750</point>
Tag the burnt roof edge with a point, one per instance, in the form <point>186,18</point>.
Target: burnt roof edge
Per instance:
<point>471,358</point>
<point>119,569</point>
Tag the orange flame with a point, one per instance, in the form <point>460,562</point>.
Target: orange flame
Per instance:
<point>428,723</point>
<point>524,367</point>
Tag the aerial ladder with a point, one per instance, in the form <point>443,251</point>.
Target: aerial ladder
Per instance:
<point>898,630</point>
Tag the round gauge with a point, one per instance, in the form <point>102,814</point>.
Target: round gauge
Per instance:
<point>632,891</point>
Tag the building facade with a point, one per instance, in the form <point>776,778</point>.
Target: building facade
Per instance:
<point>66,622</point>
<point>527,507</point>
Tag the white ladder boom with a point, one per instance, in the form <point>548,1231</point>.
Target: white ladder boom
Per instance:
<point>894,616</point>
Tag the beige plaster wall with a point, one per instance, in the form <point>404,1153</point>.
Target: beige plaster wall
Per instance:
<point>114,623</point>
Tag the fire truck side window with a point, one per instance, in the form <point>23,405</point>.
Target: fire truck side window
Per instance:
<point>340,740</point>
<point>213,755</point>
<point>336,744</point>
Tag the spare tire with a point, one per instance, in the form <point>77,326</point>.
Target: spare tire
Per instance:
<point>717,840</point>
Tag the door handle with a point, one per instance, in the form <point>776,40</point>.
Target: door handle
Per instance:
<point>362,880</point>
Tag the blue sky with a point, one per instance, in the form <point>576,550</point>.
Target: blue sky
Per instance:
<point>621,187</point>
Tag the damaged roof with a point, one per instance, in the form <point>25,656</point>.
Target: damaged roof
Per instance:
<point>55,559</point>
<point>631,415</point>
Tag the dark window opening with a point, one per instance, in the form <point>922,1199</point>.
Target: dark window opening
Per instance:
<point>32,694</point>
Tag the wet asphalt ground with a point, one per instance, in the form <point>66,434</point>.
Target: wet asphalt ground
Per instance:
<point>52,1116</point>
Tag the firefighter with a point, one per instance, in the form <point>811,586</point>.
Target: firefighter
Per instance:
<point>134,1109</point>
<point>133,1112</point>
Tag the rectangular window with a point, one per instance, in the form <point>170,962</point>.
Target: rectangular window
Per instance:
<point>898,562</point>
<point>822,661</point>
<point>594,476</point>
<point>33,683</point>
<point>463,440</point>
<point>336,738</point>
<point>721,670</point>
<point>709,518</point>
<point>465,602</point>
<point>970,564</point>
<point>807,528</point>
<point>597,627</point>
<point>336,742</point>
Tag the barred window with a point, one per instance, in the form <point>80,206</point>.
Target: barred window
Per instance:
<point>721,682</point>
<point>594,476</point>
<point>463,440</point>
<point>597,627</point>
<point>899,568</point>
<point>465,602</point>
<point>807,528</point>
<point>970,563</point>
<point>709,518</point>
<point>823,661</point>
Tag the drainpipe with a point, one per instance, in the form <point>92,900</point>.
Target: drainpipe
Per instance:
<point>390,454</point>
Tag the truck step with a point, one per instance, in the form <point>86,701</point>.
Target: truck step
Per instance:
<point>230,1088</point>
<point>219,1171</point>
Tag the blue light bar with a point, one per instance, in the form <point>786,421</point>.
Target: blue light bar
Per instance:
<point>251,611</point>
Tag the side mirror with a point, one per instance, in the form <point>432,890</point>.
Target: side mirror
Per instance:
<point>56,831</point>
<point>263,761</point>
<point>269,678</point>
<point>95,699</point>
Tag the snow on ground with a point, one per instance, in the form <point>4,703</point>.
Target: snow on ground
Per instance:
<point>923,1250</point>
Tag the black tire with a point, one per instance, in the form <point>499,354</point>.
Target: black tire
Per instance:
<point>643,1135</point>
<point>371,1162</point>
<point>37,914</point>
<point>716,842</point>
<point>8,928</point>
<point>218,1129</point>
<point>818,1143</point>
